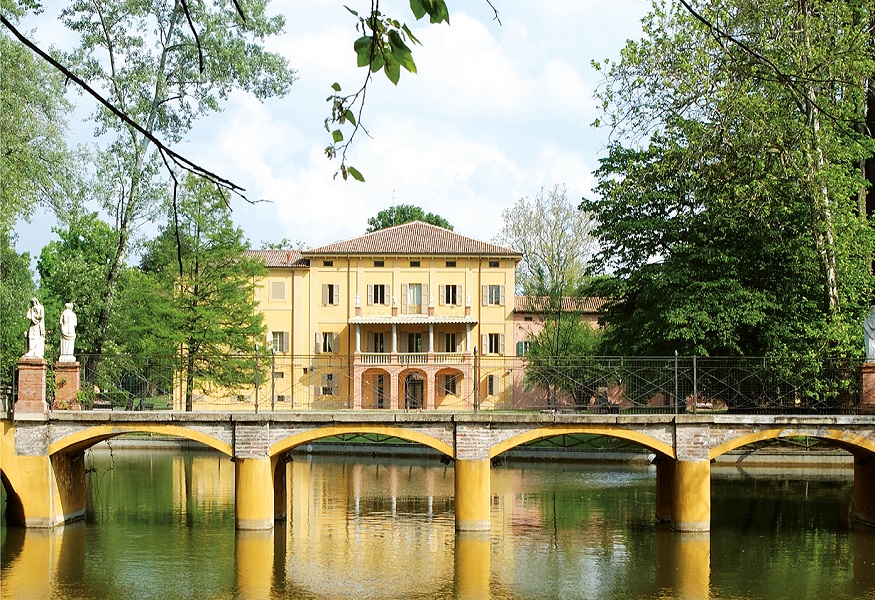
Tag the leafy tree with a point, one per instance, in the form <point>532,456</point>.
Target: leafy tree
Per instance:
<point>74,269</point>
<point>16,289</point>
<point>162,71</point>
<point>404,213</point>
<point>728,206</point>
<point>201,300</point>
<point>35,163</point>
<point>555,239</point>
<point>554,352</point>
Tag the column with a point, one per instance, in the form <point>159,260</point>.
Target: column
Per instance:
<point>691,501</point>
<point>31,387</point>
<point>253,489</point>
<point>664,487</point>
<point>864,488</point>
<point>358,338</point>
<point>66,386</point>
<point>472,494</point>
<point>279,488</point>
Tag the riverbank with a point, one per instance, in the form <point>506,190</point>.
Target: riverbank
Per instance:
<point>764,457</point>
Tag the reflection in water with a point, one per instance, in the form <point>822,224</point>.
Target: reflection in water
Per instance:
<point>161,524</point>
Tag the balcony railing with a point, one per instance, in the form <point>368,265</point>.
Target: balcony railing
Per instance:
<point>413,358</point>
<point>375,358</point>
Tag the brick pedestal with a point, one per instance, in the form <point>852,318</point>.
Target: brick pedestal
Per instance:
<point>867,393</point>
<point>31,387</point>
<point>66,386</point>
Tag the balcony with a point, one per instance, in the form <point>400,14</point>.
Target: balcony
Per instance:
<point>413,358</point>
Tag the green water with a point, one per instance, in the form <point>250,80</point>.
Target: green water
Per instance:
<point>161,525</point>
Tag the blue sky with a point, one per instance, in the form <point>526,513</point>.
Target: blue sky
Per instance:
<point>495,113</point>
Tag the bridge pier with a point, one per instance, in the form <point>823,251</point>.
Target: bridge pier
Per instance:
<point>254,493</point>
<point>43,491</point>
<point>472,565</point>
<point>472,494</point>
<point>691,497</point>
<point>864,488</point>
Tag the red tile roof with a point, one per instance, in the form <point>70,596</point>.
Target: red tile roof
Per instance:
<point>416,238</point>
<point>539,304</point>
<point>279,258</point>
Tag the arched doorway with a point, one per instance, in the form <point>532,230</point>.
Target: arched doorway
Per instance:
<point>414,391</point>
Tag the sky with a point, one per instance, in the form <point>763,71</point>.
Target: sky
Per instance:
<point>496,112</point>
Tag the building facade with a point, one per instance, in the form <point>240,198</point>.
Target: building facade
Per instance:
<point>409,317</point>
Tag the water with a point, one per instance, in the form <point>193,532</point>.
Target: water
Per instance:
<point>161,525</point>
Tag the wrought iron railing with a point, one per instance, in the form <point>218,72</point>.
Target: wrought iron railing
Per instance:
<point>621,385</point>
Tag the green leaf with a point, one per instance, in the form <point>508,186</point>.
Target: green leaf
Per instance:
<point>355,174</point>
<point>377,63</point>
<point>392,70</point>
<point>410,35</point>
<point>417,8</point>
<point>335,86</point>
<point>337,136</point>
<point>401,52</point>
<point>350,10</point>
<point>439,12</point>
<point>362,48</point>
<point>348,116</point>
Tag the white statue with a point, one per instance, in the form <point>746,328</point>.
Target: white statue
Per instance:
<point>358,300</point>
<point>431,300</point>
<point>869,334</point>
<point>394,301</point>
<point>36,333</point>
<point>68,333</point>
<point>467,299</point>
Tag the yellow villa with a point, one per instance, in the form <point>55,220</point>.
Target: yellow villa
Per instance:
<point>409,317</point>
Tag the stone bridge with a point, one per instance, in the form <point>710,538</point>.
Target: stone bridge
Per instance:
<point>42,460</point>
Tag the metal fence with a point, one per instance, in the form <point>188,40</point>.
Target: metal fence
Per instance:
<point>621,385</point>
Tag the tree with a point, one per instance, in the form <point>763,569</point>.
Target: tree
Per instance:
<point>555,351</point>
<point>555,239</point>
<point>16,290</point>
<point>74,269</point>
<point>35,163</point>
<point>404,213</point>
<point>727,203</point>
<point>162,71</point>
<point>202,302</point>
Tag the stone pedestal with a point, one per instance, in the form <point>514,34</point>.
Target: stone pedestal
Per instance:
<point>31,387</point>
<point>66,386</point>
<point>867,392</point>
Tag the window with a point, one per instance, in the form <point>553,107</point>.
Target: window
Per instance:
<point>522,347</point>
<point>414,342</point>
<point>280,398</point>
<point>450,384</point>
<point>378,293</point>
<point>412,295</point>
<point>280,341</point>
<point>327,342</point>
<point>329,384</point>
<point>279,375</point>
<point>378,342</point>
<point>493,264</point>
<point>493,294</point>
<point>528,319</point>
<point>492,343</point>
<point>330,294</point>
<point>450,294</point>
<point>490,385</point>
<point>327,263</point>
<point>414,263</point>
<point>451,263</point>
<point>379,263</point>
<point>278,290</point>
<point>450,342</point>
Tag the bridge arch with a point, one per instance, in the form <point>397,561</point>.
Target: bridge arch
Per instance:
<point>92,435</point>
<point>642,439</point>
<point>843,439</point>
<point>410,435</point>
